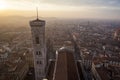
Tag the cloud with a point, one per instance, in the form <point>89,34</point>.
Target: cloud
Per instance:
<point>105,8</point>
<point>77,3</point>
<point>113,3</point>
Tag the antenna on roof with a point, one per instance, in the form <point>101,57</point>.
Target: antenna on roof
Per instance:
<point>37,12</point>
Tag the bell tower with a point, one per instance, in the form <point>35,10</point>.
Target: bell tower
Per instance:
<point>39,47</point>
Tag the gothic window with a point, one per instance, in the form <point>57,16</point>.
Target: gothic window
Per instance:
<point>38,53</point>
<point>39,62</point>
<point>37,40</point>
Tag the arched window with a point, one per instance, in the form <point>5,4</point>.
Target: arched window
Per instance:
<point>37,40</point>
<point>38,53</point>
<point>39,62</point>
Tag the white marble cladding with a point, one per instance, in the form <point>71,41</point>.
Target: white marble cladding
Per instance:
<point>38,39</point>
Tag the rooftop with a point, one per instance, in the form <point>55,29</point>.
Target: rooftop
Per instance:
<point>37,22</point>
<point>65,66</point>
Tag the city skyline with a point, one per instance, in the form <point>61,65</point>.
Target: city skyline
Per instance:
<point>103,9</point>
<point>56,43</point>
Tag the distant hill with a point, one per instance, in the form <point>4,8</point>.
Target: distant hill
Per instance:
<point>16,21</point>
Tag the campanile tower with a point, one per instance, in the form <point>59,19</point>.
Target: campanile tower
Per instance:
<point>39,47</point>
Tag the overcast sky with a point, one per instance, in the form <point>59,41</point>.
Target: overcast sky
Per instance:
<point>79,8</point>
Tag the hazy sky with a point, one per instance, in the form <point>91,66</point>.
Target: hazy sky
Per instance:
<point>63,8</point>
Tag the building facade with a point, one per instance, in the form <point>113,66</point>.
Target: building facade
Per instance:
<point>39,48</point>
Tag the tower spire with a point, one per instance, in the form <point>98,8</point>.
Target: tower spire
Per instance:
<point>37,12</point>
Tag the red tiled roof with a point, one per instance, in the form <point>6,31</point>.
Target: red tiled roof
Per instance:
<point>65,67</point>
<point>103,73</point>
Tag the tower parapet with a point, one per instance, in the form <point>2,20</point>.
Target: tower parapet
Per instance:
<point>37,23</point>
